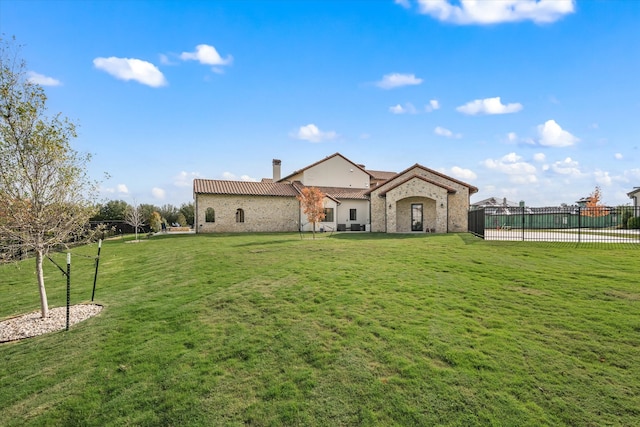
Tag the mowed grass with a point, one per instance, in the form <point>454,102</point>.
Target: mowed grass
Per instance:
<point>353,329</point>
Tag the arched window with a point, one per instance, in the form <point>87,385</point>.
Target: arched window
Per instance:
<point>240,215</point>
<point>210,215</point>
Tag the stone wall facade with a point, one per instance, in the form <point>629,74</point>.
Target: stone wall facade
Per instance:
<point>443,211</point>
<point>261,213</point>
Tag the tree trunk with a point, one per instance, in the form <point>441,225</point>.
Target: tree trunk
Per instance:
<point>314,231</point>
<point>44,305</point>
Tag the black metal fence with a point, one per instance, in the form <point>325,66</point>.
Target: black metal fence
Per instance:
<point>558,224</point>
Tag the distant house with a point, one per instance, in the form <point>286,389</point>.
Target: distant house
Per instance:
<point>584,201</point>
<point>496,205</point>
<point>635,195</point>
<point>417,199</point>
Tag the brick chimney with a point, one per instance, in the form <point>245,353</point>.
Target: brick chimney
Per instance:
<point>276,170</point>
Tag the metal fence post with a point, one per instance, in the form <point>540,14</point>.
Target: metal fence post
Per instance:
<point>523,223</point>
<point>68,286</point>
<point>579,223</point>
<point>95,276</point>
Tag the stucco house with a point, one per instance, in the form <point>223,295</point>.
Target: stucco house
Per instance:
<point>417,199</point>
<point>635,195</point>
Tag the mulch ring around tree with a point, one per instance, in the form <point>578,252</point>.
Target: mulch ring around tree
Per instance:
<point>32,324</point>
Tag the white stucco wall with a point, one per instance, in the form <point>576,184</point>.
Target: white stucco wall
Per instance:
<point>335,172</point>
<point>362,212</point>
<point>327,225</point>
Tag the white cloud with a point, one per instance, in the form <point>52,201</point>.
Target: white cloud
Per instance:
<point>391,81</point>
<point>439,130</point>
<point>512,137</point>
<point>120,189</point>
<point>311,133</point>
<point>158,193</point>
<point>511,164</point>
<point>408,108</point>
<point>539,157</point>
<point>42,80</point>
<point>618,156</point>
<point>494,12</point>
<point>185,179</point>
<point>632,174</point>
<point>489,106</point>
<point>232,177</point>
<point>165,60</point>
<point>403,3</point>
<point>131,69</point>
<point>567,167</point>
<point>552,135</point>
<point>464,174</point>
<point>603,178</point>
<point>207,55</point>
<point>433,105</point>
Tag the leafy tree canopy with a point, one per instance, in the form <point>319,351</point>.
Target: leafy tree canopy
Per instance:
<point>45,193</point>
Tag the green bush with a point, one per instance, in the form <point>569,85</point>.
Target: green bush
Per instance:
<point>626,212</point>
<point>634,223</point>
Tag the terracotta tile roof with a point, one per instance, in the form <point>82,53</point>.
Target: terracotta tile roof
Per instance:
<point>345,193</point>
<point>245,188</point>
<point>381,174</point>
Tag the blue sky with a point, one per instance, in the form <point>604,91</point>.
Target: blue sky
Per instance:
<point>535,100</point>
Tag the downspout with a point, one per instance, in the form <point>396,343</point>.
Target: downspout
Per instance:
<point>447,214</point>
<point>295,187</point>
<point>196,223</point>
<point>370,227</point>
<point>385,215</point>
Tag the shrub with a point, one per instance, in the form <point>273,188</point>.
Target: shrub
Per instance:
<point>634,223</point>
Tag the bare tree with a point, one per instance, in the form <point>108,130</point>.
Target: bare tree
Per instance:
<point>45,193</point>
<point>594,206</point>
<point>312,201</point>
<point>135,217</point>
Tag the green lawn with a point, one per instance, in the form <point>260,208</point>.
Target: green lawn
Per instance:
<point>353,329</point>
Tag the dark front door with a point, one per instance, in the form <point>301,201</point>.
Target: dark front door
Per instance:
<point>416,217</point>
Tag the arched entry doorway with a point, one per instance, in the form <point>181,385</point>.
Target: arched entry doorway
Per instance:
<point>415,214</point>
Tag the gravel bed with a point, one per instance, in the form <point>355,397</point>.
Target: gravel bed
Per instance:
<point>32,324</point>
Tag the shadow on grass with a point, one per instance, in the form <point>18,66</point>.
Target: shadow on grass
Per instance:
<point>288,236</point>
<point>383,236</point>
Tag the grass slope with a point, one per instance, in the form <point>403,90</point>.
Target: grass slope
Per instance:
<point>361,329</point>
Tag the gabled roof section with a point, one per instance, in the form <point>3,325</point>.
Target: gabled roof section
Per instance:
<point>635,190</point>
<point>471,188</point>
<point>345,193</point>
<point>409,178</point>
<point>381,175</point>
<point>245,188</point>
<point>323,160</point>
